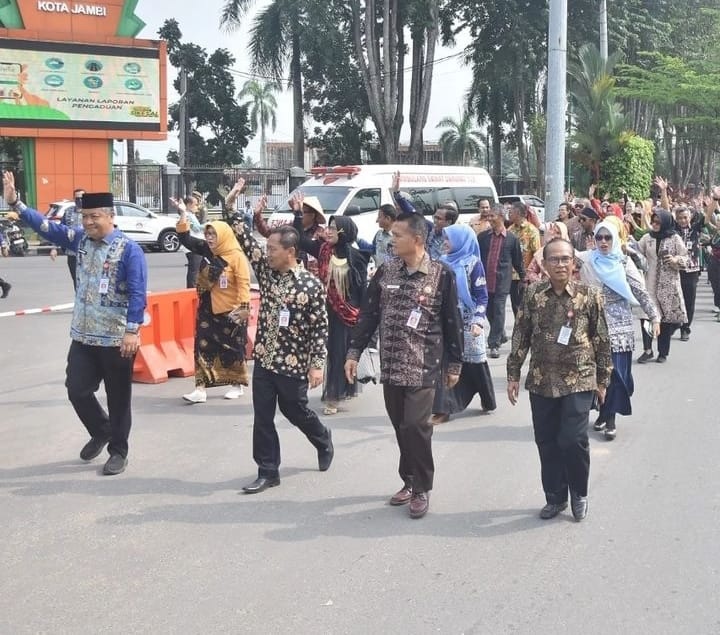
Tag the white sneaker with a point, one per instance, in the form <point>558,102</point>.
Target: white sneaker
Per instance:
<point>196,396</point>
<point>234,392</point>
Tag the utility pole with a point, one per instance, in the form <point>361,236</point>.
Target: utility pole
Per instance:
<point>603,31</point>
<point>556,105</point>
<point>183,123</point>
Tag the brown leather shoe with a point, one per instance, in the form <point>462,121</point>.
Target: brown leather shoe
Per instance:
<point>402,497</point>
<point>439,418</point>
<point>419,504</point>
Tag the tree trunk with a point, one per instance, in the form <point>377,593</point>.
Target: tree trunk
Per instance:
<point>381,71</point>
<point>421,83</point>
<point>132,175</point>
<point>298,128</point>
<point>496,128</point>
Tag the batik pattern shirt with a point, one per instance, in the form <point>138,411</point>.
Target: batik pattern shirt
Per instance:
<point>411,352</point>
<point>111,281</point>
<point>529,238</point>
<point>295,348</point>
<point>556,370</point>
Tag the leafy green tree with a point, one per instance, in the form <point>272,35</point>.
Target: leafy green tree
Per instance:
<point>461,141</point>
<point>262,103</point>
<point>598,115</point>
<point>210,102</point>
<point>508,55</point>
<point>275,40</point>
<point>630,170</point>
<point>333,89</point>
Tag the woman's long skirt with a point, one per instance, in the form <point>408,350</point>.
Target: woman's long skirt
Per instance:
<point>621,388</point>
<point>336,386</point>
<point>219,348</point>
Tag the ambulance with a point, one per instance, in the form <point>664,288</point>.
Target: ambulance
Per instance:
<point>358,191</point>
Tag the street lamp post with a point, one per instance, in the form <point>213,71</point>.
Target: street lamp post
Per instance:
<point>556,105</point>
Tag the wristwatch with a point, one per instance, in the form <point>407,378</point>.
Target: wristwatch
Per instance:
<point>132,327</point>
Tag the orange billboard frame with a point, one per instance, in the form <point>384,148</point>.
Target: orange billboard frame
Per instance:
<point>59,159</point>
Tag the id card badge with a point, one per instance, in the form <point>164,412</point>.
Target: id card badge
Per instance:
<point>104,285</point>
<point>223,281</point>
<point>284,318</point>
<point>414,318</point>
<point>564,337</point>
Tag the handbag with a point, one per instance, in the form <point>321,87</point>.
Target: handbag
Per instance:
<point>368,368</point>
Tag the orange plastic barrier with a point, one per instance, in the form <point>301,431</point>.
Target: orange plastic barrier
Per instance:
<point>166,343</point>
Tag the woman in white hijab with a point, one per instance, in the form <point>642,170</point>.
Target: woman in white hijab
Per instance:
<point>622,286</point>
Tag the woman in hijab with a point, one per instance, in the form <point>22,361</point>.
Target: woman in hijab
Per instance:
<point>615,274</point>
<point>666,254</point>
<point>223,288</point>
<point>463,257</point>
<point>343,270</point>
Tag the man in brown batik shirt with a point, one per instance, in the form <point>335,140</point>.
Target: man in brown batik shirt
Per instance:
<point>562,324</point>
<point>413,301</point>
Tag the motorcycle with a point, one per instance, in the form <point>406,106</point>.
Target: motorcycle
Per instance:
<point>17,245</point>
<point>4,244</point>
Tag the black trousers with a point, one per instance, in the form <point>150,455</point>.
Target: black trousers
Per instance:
<point>72,268</point>
<point>496,317</point>
<point>666,332</point>
<point>517,289</point>
<point>87,366</point>
<point>561,436</point>
<point>193,268</point>
<point>689,282</point>
<point>713,269</point>
<point>409,410</point>
<point>271,390</point>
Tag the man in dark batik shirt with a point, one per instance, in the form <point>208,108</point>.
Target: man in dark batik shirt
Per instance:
<point>413,301</point>
<point>289,349</point>
<point>562,324</point>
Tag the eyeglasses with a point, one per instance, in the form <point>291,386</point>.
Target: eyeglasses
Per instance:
<point>604,238</point>
<point>582,219</point>
<point>442,218</point>
<point>560,260</point>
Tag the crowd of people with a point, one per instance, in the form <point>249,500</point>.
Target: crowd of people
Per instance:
<point>434,306</point>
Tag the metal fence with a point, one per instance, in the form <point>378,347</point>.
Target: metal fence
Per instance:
<point>152,185</point>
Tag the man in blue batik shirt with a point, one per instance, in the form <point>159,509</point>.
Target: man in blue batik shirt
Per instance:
<point>109,307</point>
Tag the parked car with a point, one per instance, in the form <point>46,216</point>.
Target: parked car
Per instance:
<point>537,205</point>
<point>149,229</point>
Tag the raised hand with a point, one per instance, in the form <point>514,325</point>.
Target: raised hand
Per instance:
<point>395,186</point>
<point>260,205</point>
<point>661,183</point>
<point>239,186</point>
<point>9,193</point>
<point>179,205</point>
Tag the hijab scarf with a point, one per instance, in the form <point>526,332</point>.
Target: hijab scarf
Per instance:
<point>610,268</point>
<point>462,256</point>
<point>342,268</point>
<point>667,228</point>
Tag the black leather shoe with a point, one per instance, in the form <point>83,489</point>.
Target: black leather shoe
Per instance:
<point>5,286</point>
<point>92,448</point>
<point>325,456</point>
<point>579,506</point>
<point>260,484</point>
<point>114,465</point>
<point>551,510</point>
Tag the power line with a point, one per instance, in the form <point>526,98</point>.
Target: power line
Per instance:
<point>253,75</point>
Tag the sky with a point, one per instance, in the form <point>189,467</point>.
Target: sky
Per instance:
<point>450,79</point>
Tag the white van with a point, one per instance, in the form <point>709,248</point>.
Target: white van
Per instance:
<point>360,190</point>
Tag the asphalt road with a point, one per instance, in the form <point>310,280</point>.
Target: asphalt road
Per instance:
<point>171,547</point>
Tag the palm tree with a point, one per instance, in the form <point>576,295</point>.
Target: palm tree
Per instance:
<point>262,102</point>
<point>598,119</point>
<point>461,142</point>
<point>275,40</point>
